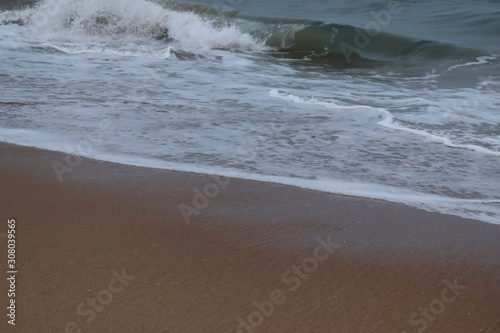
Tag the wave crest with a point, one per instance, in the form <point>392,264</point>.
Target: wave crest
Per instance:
<point>188,26</point>
<point>128,21</point>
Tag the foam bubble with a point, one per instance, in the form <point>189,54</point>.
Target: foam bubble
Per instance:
<point>389,120</point>
<point>479,61</point>
<point>127,21</point>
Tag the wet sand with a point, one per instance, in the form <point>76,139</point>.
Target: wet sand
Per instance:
<point>108,250</point>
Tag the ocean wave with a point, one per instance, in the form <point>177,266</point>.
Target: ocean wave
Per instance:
<point>192,26</point>
<point>126,21</point>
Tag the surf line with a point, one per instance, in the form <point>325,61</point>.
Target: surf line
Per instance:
<point>388,120</point>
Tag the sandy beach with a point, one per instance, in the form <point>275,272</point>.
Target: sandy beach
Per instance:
<point>115,248</point>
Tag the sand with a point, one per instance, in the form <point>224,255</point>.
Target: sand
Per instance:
<point>109,250</point>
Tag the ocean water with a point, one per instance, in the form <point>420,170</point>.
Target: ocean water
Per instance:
<point>398,101</point>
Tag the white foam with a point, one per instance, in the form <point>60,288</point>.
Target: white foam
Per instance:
<point>128,21</point>
<point>480,61</point>
<point>454,206</point>
<point>123,50</point>
<point>331,104</point>
<point>388,122</point>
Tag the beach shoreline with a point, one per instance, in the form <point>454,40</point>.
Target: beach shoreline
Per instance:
<point>130,249</point>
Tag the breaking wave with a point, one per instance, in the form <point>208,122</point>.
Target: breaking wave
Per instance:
<point>198,27</point>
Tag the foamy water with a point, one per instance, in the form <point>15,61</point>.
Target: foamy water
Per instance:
<point>140,83</point>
